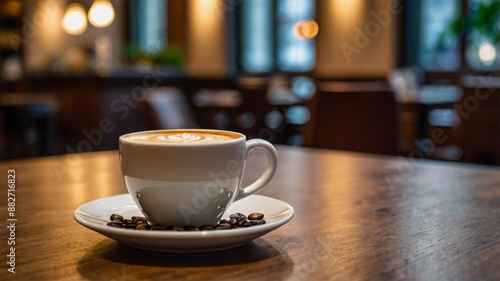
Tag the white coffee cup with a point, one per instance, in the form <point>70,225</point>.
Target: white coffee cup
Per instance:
<point>189,177</point>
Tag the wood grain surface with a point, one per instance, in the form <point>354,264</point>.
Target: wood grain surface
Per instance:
<point>358,217</point>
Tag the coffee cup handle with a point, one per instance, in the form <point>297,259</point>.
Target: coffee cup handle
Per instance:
<point>272,165</point>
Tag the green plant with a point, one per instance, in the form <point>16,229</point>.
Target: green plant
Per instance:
<point>170,55</point>
<point>485,20</point>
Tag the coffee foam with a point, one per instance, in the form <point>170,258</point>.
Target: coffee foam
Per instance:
<point>183,137</point>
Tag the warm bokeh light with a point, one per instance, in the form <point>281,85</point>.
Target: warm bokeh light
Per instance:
<point>305,29</point>
<point>74,21</point>
<point>207,3</point>
<point>101,13</point>
<point>487,53</point>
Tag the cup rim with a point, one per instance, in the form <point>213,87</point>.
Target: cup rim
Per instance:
<point>123,140</point>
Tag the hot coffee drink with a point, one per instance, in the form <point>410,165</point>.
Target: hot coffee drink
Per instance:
<point>189,177</point>
<point>192,136</point>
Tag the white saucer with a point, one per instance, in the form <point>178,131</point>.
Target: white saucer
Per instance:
<point>95,215</point>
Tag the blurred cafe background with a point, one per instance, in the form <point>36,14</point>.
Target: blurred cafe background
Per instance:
<point>415,78</point>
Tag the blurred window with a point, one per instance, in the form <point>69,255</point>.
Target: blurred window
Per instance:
<point>437,54</point>
<point>294,53</point>
<point>438,51</point>
<point>481,53</point>
<point>148,22</point>
<point>278,35</point>
<point>257,36</point>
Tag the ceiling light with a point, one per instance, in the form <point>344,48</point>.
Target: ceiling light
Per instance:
<point>101,13</point>
<point>74,21</point>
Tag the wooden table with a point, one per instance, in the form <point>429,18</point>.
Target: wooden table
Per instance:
<point>358,217</point>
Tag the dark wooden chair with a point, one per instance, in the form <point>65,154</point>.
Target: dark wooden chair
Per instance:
<point>478,132</point>
<point>166,108</point>
<point>354,116</point>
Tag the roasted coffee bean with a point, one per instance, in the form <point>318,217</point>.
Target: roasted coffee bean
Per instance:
<point>257,222</point>
<point>223,226</point>
<point>157,227</point>
<point>138,218</point>
<point>255,216</point>
<point>246,223</point>
<point>236,220</point>
<point>115,217</point>
<point>142,226</point>
<point>207,227</point>
<point>237,216</point>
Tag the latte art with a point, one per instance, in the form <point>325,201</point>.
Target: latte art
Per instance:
<point>183,137</point>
